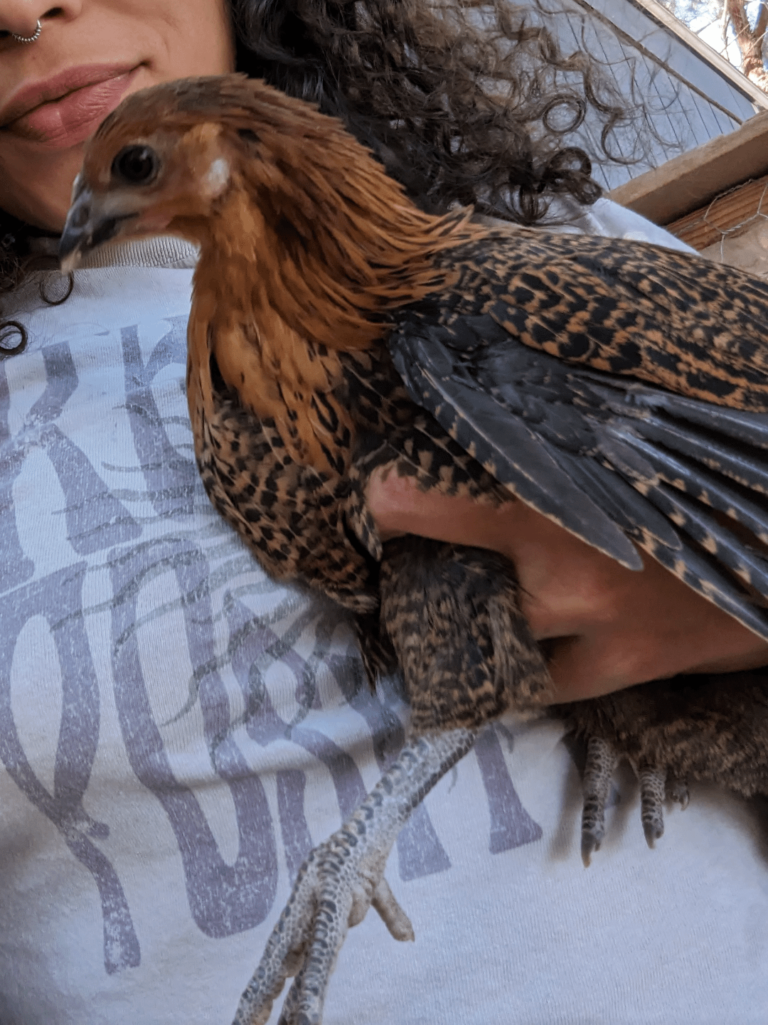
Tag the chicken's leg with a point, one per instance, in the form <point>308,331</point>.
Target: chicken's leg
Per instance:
<point>340,880</point>
<point>449,620</point>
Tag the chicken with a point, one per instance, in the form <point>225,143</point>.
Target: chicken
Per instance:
<point>619,388</point>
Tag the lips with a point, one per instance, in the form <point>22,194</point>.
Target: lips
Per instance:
<point>66,109</point>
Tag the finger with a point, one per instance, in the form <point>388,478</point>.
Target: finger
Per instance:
<point>651,645</point>
<point>399,507</point>
<point>584,667</point>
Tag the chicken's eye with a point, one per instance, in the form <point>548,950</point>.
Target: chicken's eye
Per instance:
<point>137,165</point>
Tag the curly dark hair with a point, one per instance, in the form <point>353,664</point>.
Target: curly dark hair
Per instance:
<point>464,101</point>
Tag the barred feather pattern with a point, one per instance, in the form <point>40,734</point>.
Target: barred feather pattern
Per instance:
<point>573,370</point>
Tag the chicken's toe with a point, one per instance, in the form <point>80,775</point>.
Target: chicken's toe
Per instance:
<point>653,791</point>
<point>602,759</point>
<point>339,881</point>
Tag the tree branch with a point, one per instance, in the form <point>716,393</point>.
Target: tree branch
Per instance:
<point>749,41</point>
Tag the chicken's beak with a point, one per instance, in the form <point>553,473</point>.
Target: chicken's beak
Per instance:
<point>88,226</point>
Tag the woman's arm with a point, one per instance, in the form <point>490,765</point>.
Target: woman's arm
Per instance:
<point>606,627</point>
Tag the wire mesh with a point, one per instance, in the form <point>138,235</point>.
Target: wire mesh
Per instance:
<point>732,228</point>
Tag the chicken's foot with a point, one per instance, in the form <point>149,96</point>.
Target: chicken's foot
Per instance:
<point>340,880</point>
<point>656,786</point>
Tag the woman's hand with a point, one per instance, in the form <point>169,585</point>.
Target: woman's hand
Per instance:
<point>607,627</point>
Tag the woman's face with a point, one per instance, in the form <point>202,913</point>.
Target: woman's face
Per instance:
<point>55,91</point>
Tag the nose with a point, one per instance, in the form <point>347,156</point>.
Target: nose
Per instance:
<point>25,20</point>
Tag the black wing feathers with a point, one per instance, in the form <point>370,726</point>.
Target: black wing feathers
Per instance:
<point>609,417</point>
<point>507,448</point>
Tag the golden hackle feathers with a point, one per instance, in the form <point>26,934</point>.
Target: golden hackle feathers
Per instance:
<point>319,243</point>
<point>333,237</point>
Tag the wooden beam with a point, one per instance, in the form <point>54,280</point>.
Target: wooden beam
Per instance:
<point>689,181</point>
<point>730,215</point>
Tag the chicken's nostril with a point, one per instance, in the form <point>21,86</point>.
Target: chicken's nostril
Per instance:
<point>80,216</point>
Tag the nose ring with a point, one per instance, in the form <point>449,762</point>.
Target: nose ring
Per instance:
<point>29,39</point>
